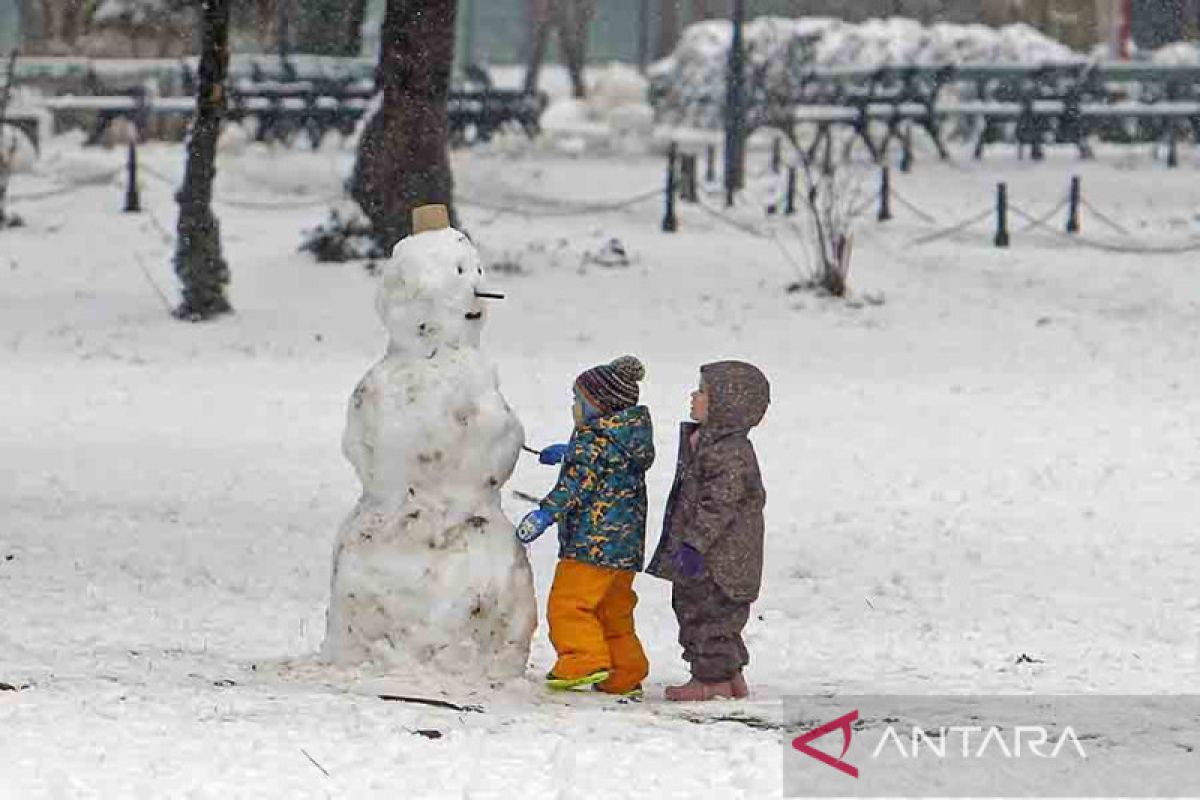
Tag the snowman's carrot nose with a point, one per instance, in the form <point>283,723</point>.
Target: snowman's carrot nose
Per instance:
<point>489,295</point>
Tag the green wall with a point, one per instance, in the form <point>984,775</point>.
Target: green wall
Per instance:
<point>10,25</point>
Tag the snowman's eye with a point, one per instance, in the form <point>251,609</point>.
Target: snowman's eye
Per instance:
<point>460,269</point>
<point>480,269</point>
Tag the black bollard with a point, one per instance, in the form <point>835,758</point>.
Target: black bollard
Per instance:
<point>789,207</point>
<point>1002,238</point>
<point>669,223</point>
<point>687,177</point>
<point>133,202</point>
<point>885,194</point>
<point>906,154</point>
<point>827,156</point>
<point>1172,150</point>
<point>776,155</point>
<point>710,165</point>
<point>1073,206</point>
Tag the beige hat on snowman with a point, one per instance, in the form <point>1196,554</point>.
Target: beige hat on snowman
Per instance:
<point>433,217</point>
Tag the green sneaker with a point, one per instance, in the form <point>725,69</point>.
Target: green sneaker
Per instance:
<point>636,693</point>
<point>632,695</point>
<point>569,684</point>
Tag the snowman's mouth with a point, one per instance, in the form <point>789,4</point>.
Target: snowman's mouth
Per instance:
<point>472,315</point>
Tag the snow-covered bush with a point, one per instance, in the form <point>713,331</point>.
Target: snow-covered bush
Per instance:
<point>688,87</point>
<point>341,239</point>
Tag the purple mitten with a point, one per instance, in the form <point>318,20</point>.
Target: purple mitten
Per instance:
<point>688,561</point>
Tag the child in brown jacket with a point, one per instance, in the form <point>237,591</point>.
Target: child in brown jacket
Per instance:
<point>712,542</point>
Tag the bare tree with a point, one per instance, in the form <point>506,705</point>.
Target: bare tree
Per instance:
<point>541,19</point>
<point>7,154</point>
<point>574,22</point>
<point>668,31</point>
<point>329,27</point>
<point>402,157</point>
<point>572,19</point>
<point>356,13</point>
<point>833,202</point>
<point>702,10</point>
<point>266,24</point>
<point>33,25</point>
<point>198,261</point>
<point>63,21</point>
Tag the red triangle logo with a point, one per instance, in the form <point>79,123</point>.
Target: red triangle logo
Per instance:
<point>842,723</point>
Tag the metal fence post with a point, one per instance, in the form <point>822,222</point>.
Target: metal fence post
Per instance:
<point>1002,237</point>
<point>133,201</point>
<point>669,223</point>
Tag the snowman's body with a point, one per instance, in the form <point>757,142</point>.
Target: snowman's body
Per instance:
<point>427,573</point>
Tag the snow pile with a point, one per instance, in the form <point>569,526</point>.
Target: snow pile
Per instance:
<point>615,117</point>
<point>428,576</point>
<point>131,12</point>
<point>1186,54</point>
<point>689,85</point>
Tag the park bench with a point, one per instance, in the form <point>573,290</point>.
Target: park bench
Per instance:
<point>1069,104</point>
<point>1033,105</point>
<point>284,109</point>
<point>477,113</point>
<point>28,123</point>
<point>281,109</point>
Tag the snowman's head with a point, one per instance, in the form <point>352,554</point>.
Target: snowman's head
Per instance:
<point>428,296</point>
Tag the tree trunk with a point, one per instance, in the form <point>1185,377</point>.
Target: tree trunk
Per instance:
<point>74,18</point>
<point>327,27</point>
<point>668,32</point>
<point>6,156</point>
<point>198,261</point>
<point>33,26</point>
<point>356,12</point>
<point>541,18</point>
<point>701,10</point>
<point>266,25</point>
<point>574,19</point>
<point>402,157</point>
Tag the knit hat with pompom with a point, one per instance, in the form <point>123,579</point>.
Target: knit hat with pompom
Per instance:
<point>612,387</point>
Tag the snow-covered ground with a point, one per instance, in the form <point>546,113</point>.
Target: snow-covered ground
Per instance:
<point>1001,459</point>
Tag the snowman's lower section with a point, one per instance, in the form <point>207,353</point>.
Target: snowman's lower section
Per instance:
<point>423,590</point>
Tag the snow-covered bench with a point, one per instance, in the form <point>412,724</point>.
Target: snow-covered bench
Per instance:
<point>282,109</point>
<point>1037,104</point>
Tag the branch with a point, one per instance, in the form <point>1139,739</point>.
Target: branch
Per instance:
<point>425,701</point>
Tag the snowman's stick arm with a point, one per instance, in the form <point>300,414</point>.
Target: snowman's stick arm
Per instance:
<point>531,450</point>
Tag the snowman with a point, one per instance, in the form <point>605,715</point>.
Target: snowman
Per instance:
<point>427,573</point>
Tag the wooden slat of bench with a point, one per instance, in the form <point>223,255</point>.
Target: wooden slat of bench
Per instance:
<point>1135,110</point>
<point>825,114</point>
<point>70,102</point>
<point>979,108</point>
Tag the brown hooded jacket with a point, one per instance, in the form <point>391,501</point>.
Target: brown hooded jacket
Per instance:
<point>717,500</point>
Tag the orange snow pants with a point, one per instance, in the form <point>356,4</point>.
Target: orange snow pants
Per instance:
<point>591,625</point>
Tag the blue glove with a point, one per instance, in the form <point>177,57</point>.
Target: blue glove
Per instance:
<point>553,454</point>
<point>688,561</point>
<point>534,525</point>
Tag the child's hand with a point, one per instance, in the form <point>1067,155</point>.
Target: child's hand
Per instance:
<point>552,454</point>
<point>689,562</point>
<point>534,525</point>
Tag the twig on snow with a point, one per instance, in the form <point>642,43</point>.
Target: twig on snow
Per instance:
<point>315,763</point>
<point>427,701</point>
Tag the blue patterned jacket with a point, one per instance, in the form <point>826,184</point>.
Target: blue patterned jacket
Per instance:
<point>599,501</point>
